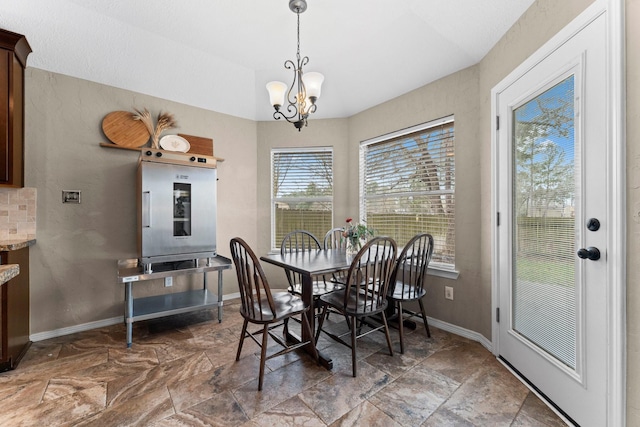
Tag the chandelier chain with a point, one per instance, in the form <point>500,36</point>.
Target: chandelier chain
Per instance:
<point>298,51</point>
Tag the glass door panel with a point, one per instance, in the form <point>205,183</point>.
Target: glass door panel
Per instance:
<point>544,286</point>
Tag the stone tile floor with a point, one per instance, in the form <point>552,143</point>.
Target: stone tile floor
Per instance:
<point>181,371</point>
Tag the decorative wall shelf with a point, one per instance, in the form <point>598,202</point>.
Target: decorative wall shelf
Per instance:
<point>139,149</point>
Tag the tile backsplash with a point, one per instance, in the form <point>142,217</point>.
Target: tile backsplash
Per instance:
<point>17,213</point>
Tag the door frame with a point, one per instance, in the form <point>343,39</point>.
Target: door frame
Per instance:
<point>616,193</point>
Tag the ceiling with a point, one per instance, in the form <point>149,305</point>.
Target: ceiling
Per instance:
<point>219,54</point>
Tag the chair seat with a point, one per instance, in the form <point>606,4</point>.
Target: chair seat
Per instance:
<point>355,306</point>
<point>286,305</point>
<point>407,292</point>
<point>320,288</point>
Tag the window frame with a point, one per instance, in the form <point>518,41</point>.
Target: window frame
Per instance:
<point>447,270</point>
<point>275,246</point>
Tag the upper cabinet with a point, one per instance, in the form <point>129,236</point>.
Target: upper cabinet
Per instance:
<point>14,50</point>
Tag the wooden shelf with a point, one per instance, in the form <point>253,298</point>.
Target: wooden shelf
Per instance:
<point>139,149</point>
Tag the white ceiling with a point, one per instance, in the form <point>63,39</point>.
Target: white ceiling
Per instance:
<point>219,54</point>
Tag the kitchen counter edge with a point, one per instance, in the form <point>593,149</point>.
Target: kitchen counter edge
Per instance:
<point>14,245</point>
<point>8,272</point>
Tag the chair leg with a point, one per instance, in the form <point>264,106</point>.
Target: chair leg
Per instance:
<point>353,347</point>
<point>424,318</point>
<point>285,330</point>
<point>400,325</point>
<point>386,332</point>
<point>263,355</point>
<point>244,332</point>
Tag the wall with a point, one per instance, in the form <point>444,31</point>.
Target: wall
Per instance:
<point>633,211</point>
<point>73,264</point>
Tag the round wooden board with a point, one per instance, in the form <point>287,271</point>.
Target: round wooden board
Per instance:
<point>121,129</point>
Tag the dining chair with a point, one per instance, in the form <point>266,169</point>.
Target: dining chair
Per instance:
<point>365,294</point>
<point>334,239</point>
<point>299,241</point>
<point>407,283</point>
<point>262,307</point>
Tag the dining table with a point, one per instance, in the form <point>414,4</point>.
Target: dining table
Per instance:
<point>309,264</point>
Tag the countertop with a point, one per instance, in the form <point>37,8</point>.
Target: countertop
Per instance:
<point>8,272</point>
<point>14,245</point>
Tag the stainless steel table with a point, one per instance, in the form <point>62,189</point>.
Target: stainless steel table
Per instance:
<point>151,307</point>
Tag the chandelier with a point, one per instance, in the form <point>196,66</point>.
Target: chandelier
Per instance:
<point>305,89</point>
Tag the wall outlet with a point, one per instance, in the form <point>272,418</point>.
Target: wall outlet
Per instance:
<point>168,281</point>
<point>448,292</point>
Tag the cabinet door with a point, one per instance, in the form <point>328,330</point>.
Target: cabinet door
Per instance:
<point>12,118</point>
<point>6,59</point>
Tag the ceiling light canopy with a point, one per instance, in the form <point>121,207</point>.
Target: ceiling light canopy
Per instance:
<point>305,89</point>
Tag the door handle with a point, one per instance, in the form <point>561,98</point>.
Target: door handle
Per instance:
<point>591,253</point>
<point>146,209</point>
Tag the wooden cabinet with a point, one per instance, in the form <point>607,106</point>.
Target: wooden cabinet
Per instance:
<point>14,311</point>
<point>14,50</point>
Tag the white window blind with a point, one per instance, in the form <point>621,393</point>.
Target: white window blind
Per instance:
<point>407,186</point>
<point>301,192</point>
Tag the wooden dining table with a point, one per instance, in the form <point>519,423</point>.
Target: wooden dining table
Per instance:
<point>310,264</point>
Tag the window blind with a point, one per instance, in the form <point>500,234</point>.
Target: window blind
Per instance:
<point>302,192</point>
<point>407,186</point>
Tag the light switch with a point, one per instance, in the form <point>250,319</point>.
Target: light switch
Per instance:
<point>71,196</point>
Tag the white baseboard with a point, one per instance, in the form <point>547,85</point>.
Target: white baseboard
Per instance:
<point>466,333</point>
<point>40,336</point>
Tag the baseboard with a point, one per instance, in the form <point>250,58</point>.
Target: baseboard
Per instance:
<point>457,330</point>
<point>40,336</point>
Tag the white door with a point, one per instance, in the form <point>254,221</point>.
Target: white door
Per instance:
<point>551,190</point>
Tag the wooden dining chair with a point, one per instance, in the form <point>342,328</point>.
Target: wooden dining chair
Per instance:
<point>334,239</point>
<point>299,241</point>
<point>365,294</point>
<point>262,307</point>
<point>408,281</point>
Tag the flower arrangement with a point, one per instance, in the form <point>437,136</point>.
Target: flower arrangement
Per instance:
<point>355,233</point>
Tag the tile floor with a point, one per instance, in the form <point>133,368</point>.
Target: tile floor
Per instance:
<point>181,371</point>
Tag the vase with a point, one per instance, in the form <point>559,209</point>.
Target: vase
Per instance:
<point>353,246</point>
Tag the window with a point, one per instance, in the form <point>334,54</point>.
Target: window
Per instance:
<point>301,192</point>
<point>407,186</point>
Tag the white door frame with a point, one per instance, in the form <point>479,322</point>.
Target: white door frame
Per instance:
<point>616,194</point>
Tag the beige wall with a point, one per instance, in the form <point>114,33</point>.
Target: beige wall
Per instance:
<point>73,264</point>
<point>633,211</point>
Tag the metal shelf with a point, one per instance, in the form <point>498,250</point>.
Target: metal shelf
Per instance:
<point>169,304</point>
